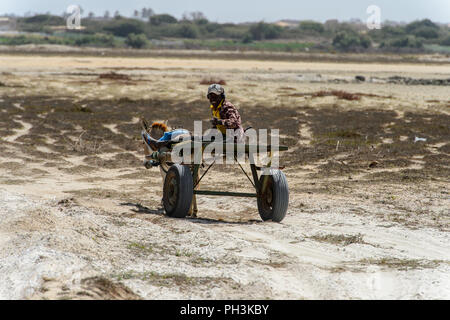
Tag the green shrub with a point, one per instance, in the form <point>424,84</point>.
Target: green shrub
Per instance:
<point>45,19</point>
<point>187,31</point>
<point>212,27</point>
<point>311,27</point>
<point>427,23</point>
<point>263,31</point>
<point>159,19</point>
<point>122,28</point>
<point>247,38</point>
<point>97,40</point>
<point>348,41</point>
<point>426,32</point>
<point>445,41</point>
<point>136,40</point>
<point>403,42</point>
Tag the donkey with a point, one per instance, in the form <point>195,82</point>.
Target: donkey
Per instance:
<point>160,137</point>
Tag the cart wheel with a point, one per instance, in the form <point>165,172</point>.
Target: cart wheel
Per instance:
<point>178,191</point>
<point>273,203</point>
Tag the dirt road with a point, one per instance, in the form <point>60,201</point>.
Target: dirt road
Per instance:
<point>80,217</point>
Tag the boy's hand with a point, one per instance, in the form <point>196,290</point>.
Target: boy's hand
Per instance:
<point>216,121</point>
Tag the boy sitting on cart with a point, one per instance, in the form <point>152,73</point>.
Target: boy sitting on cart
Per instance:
<point>225,115</point>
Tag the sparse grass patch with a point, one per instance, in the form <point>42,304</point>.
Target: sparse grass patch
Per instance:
<point>140,247</point>
<point>101,193</point>
<point>182,281</point>
<point>14,181</point>
<point>271,263</point>
<point>340,239</point>
<point>337,93</point>
<point>211,80</point>
<point>181,253</point>
<point>403,264</point>
<point>198,260</point>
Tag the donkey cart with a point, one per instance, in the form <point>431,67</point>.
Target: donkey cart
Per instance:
<point>182,181</point>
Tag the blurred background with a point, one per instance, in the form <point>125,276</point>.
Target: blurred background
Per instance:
<point>289,26</point>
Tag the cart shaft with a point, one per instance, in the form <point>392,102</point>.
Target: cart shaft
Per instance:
<point>225,193</point>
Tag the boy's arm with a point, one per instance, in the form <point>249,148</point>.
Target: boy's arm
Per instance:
<point>230,116</point>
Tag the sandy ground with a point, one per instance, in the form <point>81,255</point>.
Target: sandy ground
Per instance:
<point>80,217</point>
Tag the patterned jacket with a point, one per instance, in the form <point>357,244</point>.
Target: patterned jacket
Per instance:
<point>231,119</point>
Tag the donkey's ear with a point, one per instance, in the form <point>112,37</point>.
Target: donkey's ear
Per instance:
<point>145,124</point>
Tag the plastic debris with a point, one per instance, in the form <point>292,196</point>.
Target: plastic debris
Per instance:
<point>419,139</point>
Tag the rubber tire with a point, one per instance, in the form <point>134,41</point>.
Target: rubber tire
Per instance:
<point>280,198</point>
<point>181,203</point>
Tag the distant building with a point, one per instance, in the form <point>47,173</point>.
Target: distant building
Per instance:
<point>331,24</point>
<point>288,23</point>
<point>7,24</point>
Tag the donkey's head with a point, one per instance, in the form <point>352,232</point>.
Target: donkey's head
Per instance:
<point>157,131</point>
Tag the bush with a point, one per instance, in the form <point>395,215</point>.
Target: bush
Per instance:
<point>351,41</point>
<point>403,42</point>
<point>263,31</point>
<point>427,23</point>
<point>365,42</point>
<point>231,31</point>
<point>137,41</point>
<point>445,41</point>
<point>201,22</point>
<point>45,19</point>
<point>311,27</point>
<point>122,28</point>
<point>187,31</point>
<point>389,31</point>
<point>159,19</point>
<point>212,27</point>
<point>247,38</point>
<point>426,32</point>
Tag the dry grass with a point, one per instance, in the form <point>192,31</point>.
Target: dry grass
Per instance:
<point>211,80</point>
<point>114,76</point>
<point>86,147</point>
<point>402,264</point>
<point>340,94</point>
<point>340,239</point>
<point>337,93</point>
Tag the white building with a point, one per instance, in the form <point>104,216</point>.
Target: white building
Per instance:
<point>7,24</point>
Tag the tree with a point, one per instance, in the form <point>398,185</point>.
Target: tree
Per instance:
<point>106,15</point>
<point>196,17</point>
<point>45,19</point>
<point>446,41</point>
<point>188,31</point>
<point>311,27</point>
<point>159,19</point>
<point>122,28</point>
<point>413,26</point>
<point>247,38</point>
<point>410,42</point>
<point>261,31</point>
<point>348,41</point>
<point>137,41</point>
<point>426,32</point>
<point>147,13</point>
